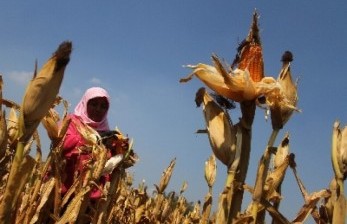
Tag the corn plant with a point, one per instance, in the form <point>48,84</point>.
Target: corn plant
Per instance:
<point>244,82</point>
<point>30,185</point>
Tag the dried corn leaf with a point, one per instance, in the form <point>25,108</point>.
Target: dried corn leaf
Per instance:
<point>73,209</point>
<point>165,178</point>
<point>310,203</point>
<point>46,191</point>
<point>275,178</point>
<point>90,135</point>
<point>14,187</point>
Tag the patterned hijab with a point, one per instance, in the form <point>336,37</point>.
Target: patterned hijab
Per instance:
<point>81,108</point>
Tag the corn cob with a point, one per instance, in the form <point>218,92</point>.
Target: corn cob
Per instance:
<point>252,59</point>
<point>43,89</point>
<point>250,55</point>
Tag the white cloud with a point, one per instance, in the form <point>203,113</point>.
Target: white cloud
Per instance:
<point>76,92</point>
<point>20,77</point>
<point>95,81</point>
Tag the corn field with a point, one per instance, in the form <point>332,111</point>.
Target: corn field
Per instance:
<point>30,185</point>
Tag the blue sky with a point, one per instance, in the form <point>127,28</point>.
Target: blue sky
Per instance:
<point>137,49</point>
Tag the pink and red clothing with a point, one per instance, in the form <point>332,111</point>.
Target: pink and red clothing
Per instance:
<point>75,159</point>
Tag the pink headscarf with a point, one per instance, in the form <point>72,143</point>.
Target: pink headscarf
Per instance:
<point>81,108</point>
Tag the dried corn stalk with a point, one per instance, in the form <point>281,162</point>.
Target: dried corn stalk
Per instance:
<point>339,162</point>
<point>38,98</point>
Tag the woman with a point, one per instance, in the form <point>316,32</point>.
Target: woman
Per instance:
<point>91,110</point>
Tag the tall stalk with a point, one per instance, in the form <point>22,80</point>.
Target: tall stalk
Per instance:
<point>248,112</point>
<point>262,174</point>
<point>12,191</point>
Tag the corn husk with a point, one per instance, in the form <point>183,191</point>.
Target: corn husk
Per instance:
<point>247,81</point>
<point>283,101</point>
<point>210,170</point>
<point>51,126</point>
<point>12,125</point>
<point>282,152</point>
<point>221,132</point>
<point>55,131</point>
<point>236,85</point>
<point>339,161</point>
<point>90,135</point>
<point>3,129</point>
<point>3,134</point>
<point>340,151</point>
<point>43,89</point>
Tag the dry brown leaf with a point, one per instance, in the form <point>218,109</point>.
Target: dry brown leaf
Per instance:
<point>46,191</point>
<point>311,202</point>
<point>165,178</point>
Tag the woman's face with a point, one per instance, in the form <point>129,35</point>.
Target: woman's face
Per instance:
<point>97,108</point>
